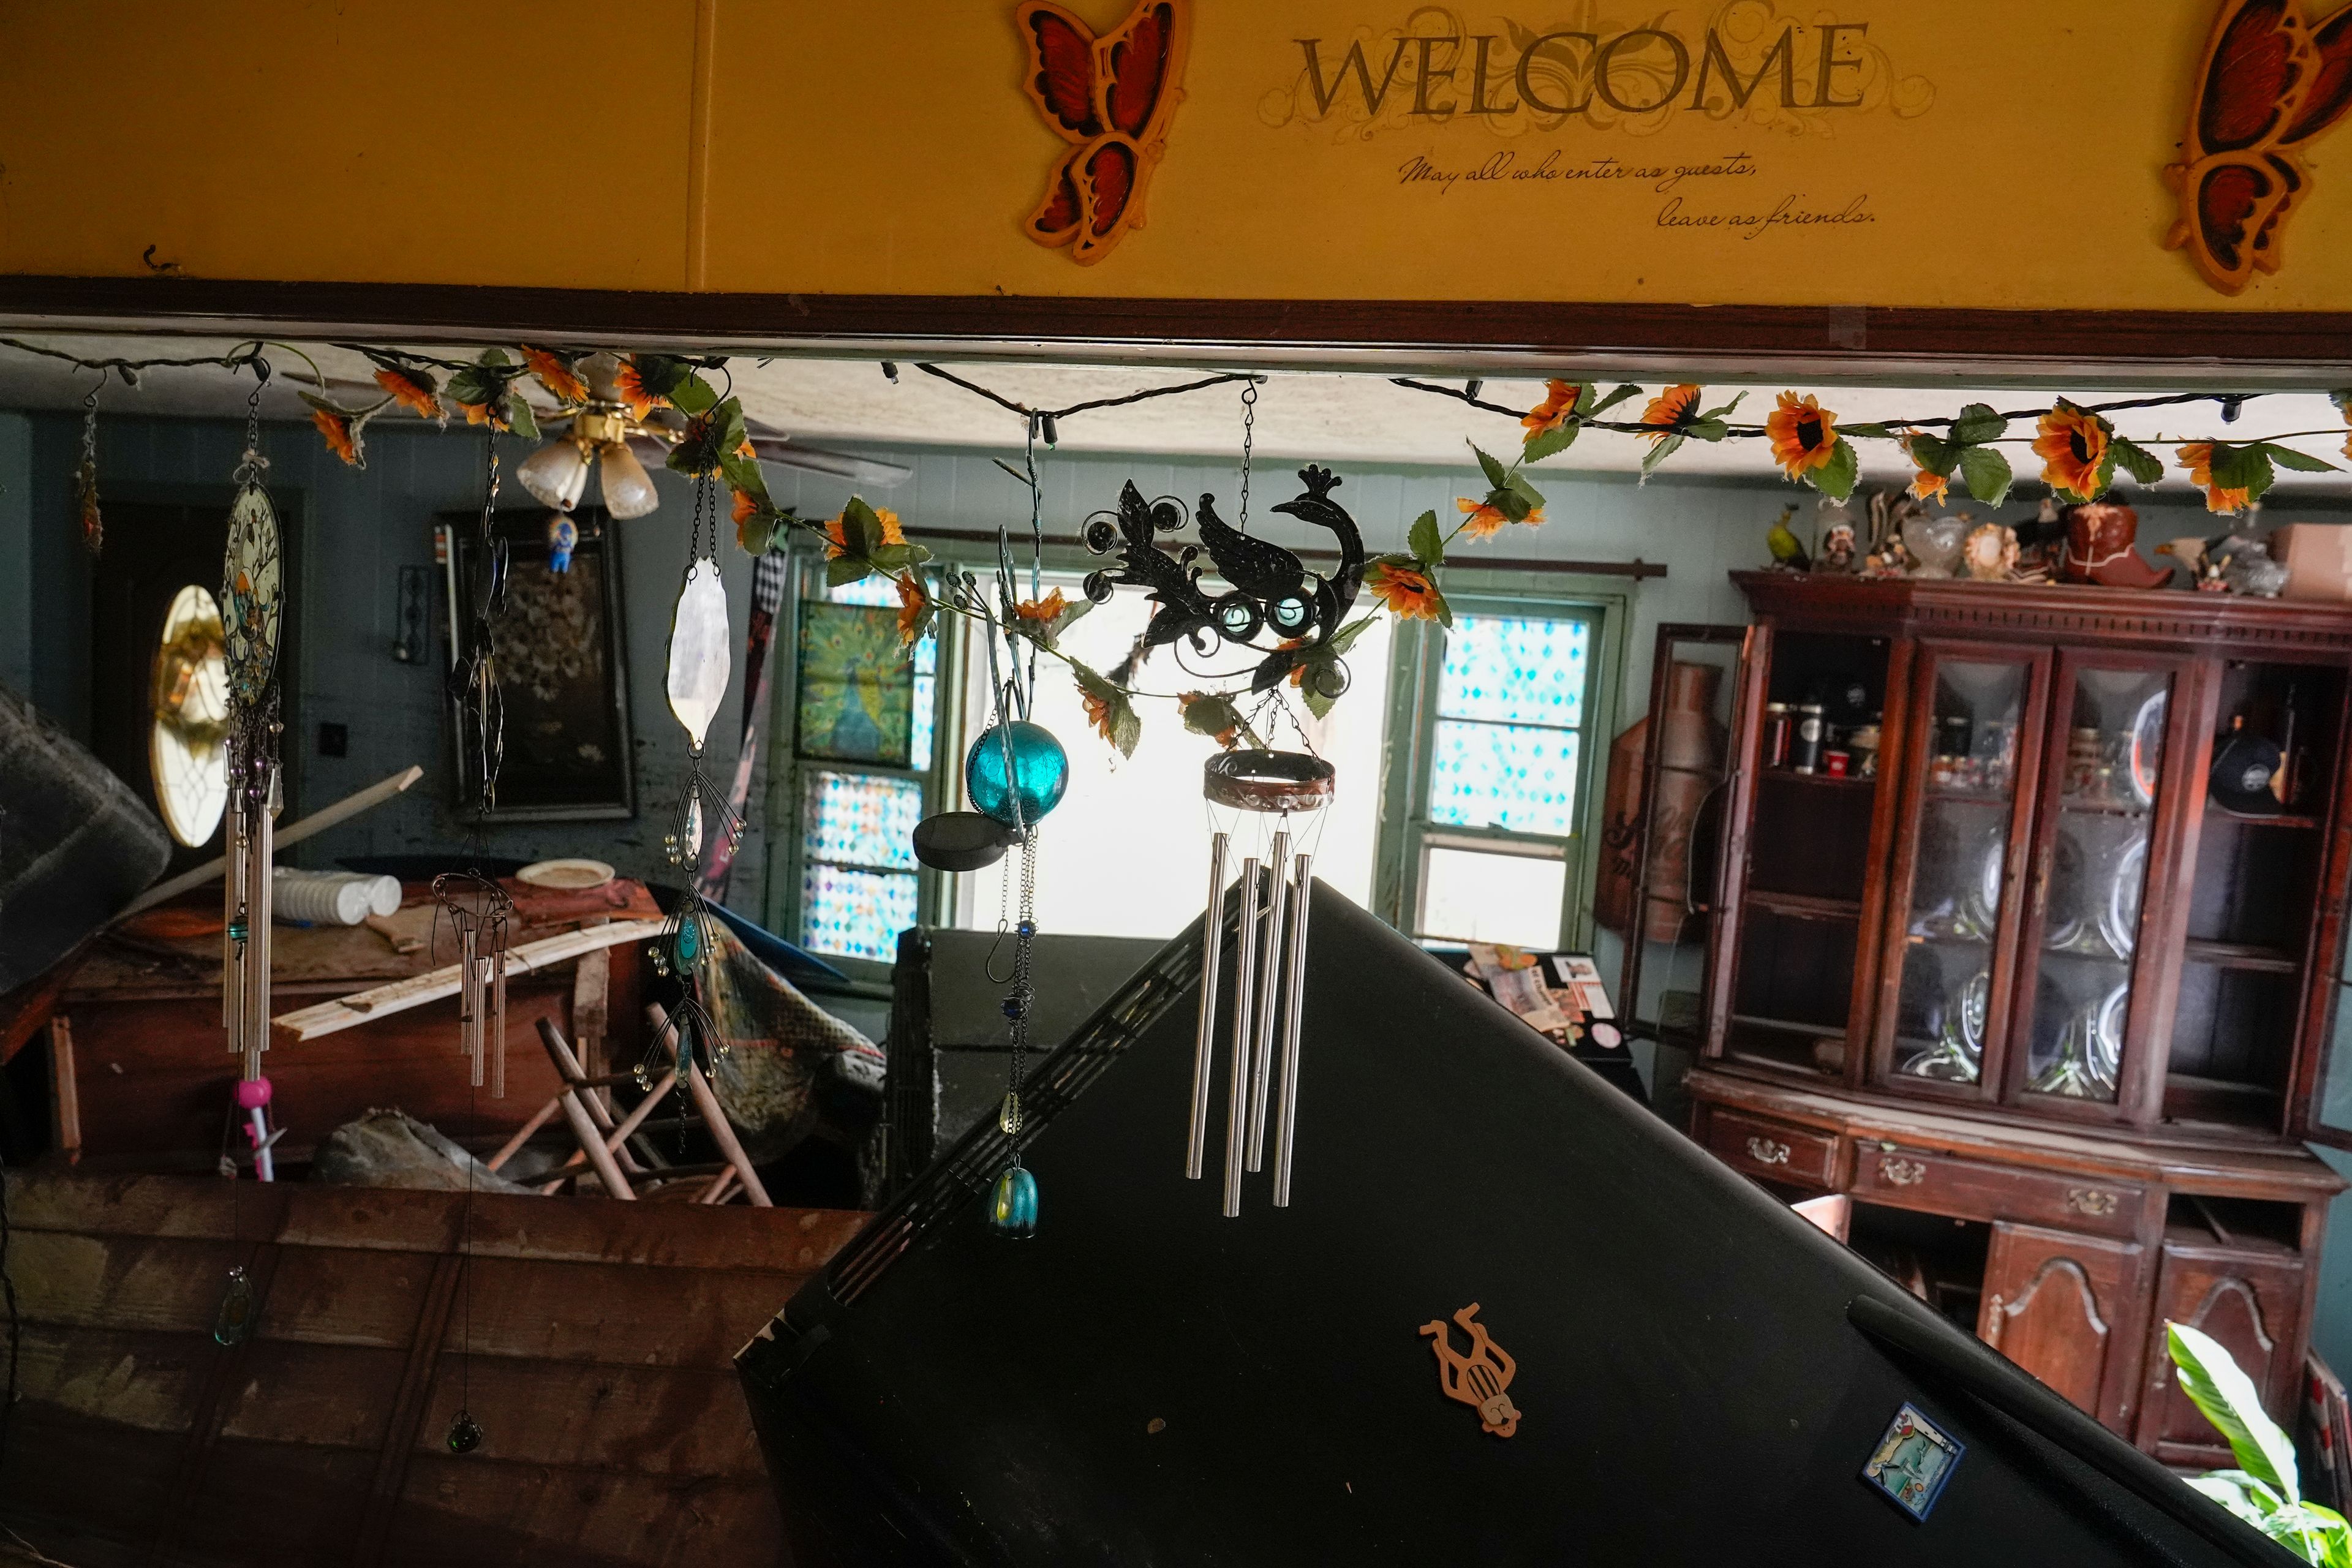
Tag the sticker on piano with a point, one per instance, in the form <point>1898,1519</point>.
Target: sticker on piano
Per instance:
<point>1913,1461</point>
<point>1478,1379</point>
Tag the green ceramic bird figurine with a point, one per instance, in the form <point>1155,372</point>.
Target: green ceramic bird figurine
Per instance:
<point>1786,548</point>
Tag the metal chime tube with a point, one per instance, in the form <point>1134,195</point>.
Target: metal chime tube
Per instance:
<point>1212,943</point>
<point>1244,992</point>
<point>497,963</point>
<point>1285,1135</point>
<point>257,927</point>
<point>1269,992</point>
<point>469,1004</point>
<point>232,962</point>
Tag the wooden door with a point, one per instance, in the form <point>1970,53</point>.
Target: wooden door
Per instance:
<point>2248,1297</point>
<point>2065,1308</point>
<point>1968,765</point>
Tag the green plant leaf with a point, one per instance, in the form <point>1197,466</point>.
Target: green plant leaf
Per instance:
<point>1514,506</point>
<point>2229,1400</point>
<point>520,418</point>
<point>844,569</point>
<point>1986,473</point>
<point>1428,545</point>
<point>1496,475</point>
<point>2233,1497</point>
<point>1317,703</point>
<point>1617,395</point>
<point>1835,478</point>
<point>660,374</point>
<point>861,531</point>
<point>1437,602</point>
<point>1526,492</point>
<point>1866,430</point>
<point>2301,462</point>
<point>1345,638</point>
<point>1976,424</point>
<point>2246,468</point>
<point>1212,714</point>
<point>1709,428</point>
<point>693,395</point>
<point>1660,450</point>
<point>1933,453</point>
<point>1550,443</point>
<point>2136,460</point>
<point>742,473</point>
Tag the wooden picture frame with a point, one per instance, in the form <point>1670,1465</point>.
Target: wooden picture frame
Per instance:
<point>564,670</point>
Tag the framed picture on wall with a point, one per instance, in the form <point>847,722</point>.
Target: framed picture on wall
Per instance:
<point>563,667</point>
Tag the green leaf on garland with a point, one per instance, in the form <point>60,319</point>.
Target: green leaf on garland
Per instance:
<point>1867,431</point>
<point>1707,429</point>
<point>1551,443</point>
<point>1126,724</point>
<point>757,532</point>
<point>926,612</point>
<point>1345,638</point>
<point>1976,424</point>
<point>1428,546</point>
<point>1437,602</point>
<point>1317,703</point>
<point>2301,462</point>
<point>1510,503</point>
<point>1933,453</point>
<point>693,395</point>
<point>1526,492</point>
<point>1835,478</point>
<point>659,374</point>
<point>1496,475</point>
<point>2136,460</point>
<point>2233,468</point>
<point>843,569</point>
<point>520,418</point>
<point>1722,412</point>
<point>1617,395</point>
<point>1660,450</point>
<point>1987,474</point>
<point>1210,714</point>
<point>861,531</point>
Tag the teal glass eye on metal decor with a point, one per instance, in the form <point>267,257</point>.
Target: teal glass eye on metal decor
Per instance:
<point>1012,1206</point>
<point>1040,772</point>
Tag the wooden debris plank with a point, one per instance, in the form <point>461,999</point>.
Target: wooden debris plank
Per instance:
<point>472,1510</point>
<point>332,1396</point>
<point>662,1421</point>
<point>346,1296</point>
<point>592,1313</point>
<point>382,1001</point>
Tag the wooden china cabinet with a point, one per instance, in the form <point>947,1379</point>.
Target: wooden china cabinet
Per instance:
<point>2053,1013</point>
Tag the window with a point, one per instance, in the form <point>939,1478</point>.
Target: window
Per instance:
<point>1127,852</point>
<point>859,885</point>
<point>1499,729</point>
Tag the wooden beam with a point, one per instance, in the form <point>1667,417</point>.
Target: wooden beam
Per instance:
<point>65,1093</point>
<point>399,995</point>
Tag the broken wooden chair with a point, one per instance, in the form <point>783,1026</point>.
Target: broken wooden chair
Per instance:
<point>604,1144</point>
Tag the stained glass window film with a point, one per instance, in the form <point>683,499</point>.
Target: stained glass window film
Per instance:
<point>1510,708</point>
<point>880,592</point>
<point>857,885</point>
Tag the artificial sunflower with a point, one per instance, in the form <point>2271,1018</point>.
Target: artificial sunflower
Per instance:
<point>1804,434</point>
<point>1198,703</point>
<point>343,435</point>
<point>1555,410</point>
<point>641,400</point>
<point>837,532</point>
<point>1670,411</point>
<point>556,374</point>
<point>2197,456</point>
<point>1926,484</point>
<point>1046,610</point>
<point>1098,713</point>
<point>914,602</point>
<point>2073,445</point>
<point>490,414</point>
<point>412,391</point>
<point>1406,590</point>
<point>1481,520</point>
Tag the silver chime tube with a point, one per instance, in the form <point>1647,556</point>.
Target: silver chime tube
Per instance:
<point>1244,992</point>
<point>232,887</point>
<point>1213,947</point>
<point>1269,992</point>
<point>497,963</point>
<point>257,926</point>
<point>1285,1135</point>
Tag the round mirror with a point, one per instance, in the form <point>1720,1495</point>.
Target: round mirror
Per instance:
<point>187,744</point>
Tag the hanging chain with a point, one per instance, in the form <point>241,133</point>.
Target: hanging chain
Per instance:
<point>1024,938</point>
<point>93,526</point>
<point>1249,437</point>
<point>253,466</point>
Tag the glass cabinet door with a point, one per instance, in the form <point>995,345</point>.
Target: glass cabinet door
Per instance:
<point>2102,763</point>
<point>1970,764</point>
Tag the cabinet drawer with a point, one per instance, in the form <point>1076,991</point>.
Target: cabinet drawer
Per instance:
<point>1773,1149</point>
<point>1978,1189</point>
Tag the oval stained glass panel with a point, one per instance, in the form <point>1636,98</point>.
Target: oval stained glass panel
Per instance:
<point>253,592</point>
<point>187,736</point>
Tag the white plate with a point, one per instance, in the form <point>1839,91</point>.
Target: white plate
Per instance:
<point>574,876</point>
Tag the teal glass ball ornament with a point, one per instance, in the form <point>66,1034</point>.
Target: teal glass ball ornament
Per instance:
<point>1040,772</point>
<point>1012,1206</point>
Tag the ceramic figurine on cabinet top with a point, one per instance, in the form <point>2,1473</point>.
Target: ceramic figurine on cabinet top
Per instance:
<point>1991,552</point>
<point>1833,535</point>
<point>2099,538</point>
<point>1787,550</point>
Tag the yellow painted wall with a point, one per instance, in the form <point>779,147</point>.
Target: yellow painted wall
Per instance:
<point>2010,155</point>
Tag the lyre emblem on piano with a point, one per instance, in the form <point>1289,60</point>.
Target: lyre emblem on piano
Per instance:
<point>1479,1378</point>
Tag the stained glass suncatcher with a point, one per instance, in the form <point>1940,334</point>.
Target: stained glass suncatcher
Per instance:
<point>1510,708</point>
<point>857,699</point>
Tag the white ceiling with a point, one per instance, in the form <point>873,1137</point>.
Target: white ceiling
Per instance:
<point>1331,416</point>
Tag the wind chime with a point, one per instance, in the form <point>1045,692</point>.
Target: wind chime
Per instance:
<point>252,605</point>
<point>701,665</point>
<point>479,913</point>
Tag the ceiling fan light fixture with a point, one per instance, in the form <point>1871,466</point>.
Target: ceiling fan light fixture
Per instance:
<point>557,473</point>
<point>628,489</point>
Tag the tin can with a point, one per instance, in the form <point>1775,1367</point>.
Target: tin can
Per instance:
<point>1777,726</point>
<point>1835,763</point>
<point>1805,748</point>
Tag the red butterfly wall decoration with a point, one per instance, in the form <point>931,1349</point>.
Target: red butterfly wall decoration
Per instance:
<point>2270,81</point>
<point>1112,99</point>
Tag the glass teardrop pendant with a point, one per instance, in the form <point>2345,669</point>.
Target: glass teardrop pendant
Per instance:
<point>234,1321</point>
<point>1013,1208</point>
